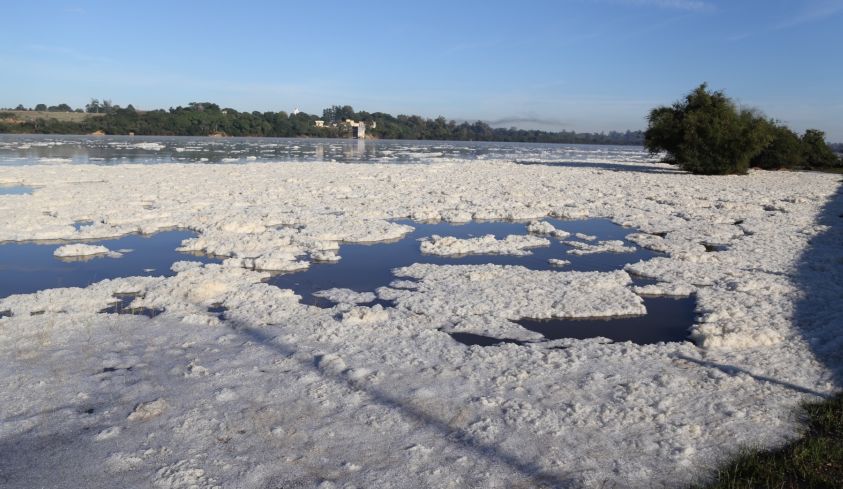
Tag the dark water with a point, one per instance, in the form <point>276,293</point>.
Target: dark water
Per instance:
<point>471,339</point>
<point>30,267</point>
<point>667,319</point>
<point>365,267</point>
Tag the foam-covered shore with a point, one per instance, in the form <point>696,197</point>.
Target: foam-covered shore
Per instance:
<point>285,394</point>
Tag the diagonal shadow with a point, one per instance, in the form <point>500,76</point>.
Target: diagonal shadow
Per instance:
<point>733,370</point>
<point>638,168</point>
<point>534,473</point>
<point>818,315</point>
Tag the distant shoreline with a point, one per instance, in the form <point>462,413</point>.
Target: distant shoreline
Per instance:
<point>206,119</point>
<point>332,139</point>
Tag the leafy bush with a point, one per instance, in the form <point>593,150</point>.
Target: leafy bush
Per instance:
<point>783,151</point>
<point>706,133</point>
<point>815,151</point>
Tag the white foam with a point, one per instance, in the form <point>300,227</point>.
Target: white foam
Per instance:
<point>610,246</point>
<point>511,245</point>
<point>84,250</point>
<point>305,393</point>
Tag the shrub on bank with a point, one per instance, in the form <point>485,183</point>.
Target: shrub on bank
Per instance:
<point>815,152</point>
<point>707,133</point>
<point>783,151</point>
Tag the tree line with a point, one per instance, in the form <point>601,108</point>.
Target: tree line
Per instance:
<point>45,108</point>
<point>707,133</point>
<point>205,118</point>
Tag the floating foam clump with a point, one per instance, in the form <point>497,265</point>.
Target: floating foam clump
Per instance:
<point>611,246</point>
<point>486,245</point>
<point>84,250</point>
<point>545,228</point>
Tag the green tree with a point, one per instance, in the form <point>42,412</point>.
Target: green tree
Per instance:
<point>41,107</point>
<point>664,132</point>
<point>783,151</point>
<point>93,106</point>
<point>816,152</point>
<point>706,133</point>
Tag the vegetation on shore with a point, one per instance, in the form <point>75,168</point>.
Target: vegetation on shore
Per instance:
<point>813,461</point>
<point>31,116</point>
<point>205,118</point>
<point>707,133</point>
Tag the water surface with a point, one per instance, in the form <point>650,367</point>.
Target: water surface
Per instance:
<point>365,267</point>
<point>110,150</point>
<point>667,319</point>
<point>30,266</point>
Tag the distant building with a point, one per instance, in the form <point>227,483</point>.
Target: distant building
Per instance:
<point>352,128</point>
<point>296,111</point>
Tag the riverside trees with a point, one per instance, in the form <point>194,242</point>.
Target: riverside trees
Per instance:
<point>707,133</point>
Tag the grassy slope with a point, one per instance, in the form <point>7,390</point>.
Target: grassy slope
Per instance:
<point>813,461</point>
<point>26,115</point>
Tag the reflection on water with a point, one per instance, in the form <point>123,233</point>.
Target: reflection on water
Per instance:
<point>30,267</point>
<point>109,150</point>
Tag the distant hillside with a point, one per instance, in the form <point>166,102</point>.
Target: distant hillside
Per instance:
<point>32,116</point>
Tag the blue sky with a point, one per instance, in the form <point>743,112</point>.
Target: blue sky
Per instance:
<point>585,65</point>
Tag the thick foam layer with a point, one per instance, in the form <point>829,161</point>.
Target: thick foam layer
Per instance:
<point>282,393</point>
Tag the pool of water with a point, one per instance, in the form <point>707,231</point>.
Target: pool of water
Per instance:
<point>471,339</point>
<point>365,267</point>
<point>29,267</point>
<point>15,190</point>
<point>667,319</point>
